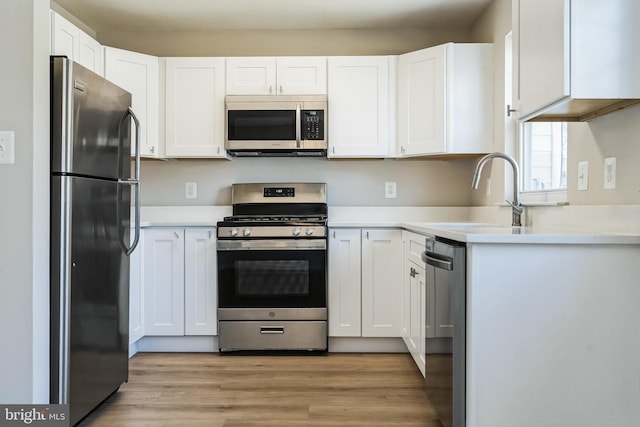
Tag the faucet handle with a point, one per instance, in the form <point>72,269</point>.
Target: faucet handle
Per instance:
<point>518,208</point>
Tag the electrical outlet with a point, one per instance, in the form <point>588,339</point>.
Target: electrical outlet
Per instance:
<point>190,190</point>
<point>610,173</point>
<point>390,190</point>
<point>583,176</point>
<point>7,147</point>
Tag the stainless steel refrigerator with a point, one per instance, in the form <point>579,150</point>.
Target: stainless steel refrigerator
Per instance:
<point>92,188</point>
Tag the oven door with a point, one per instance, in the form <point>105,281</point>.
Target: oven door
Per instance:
<point>272,274</point>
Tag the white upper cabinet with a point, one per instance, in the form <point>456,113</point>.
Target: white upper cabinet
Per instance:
<point>138,74</point>
<point>71,41</point>
<point>575,59</point>
<point>299,75</point>
<point>277,76</point>
<point>445,100</point>
<point>361,94</point>
<point>195,90</point>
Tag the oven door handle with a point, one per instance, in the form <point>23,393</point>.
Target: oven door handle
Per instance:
<point>272,244</point>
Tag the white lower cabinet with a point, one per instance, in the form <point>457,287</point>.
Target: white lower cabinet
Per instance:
<point>365,297</point>
<point>417,314</point>
<point>425,305</point>
<point>200,282</point>
<point>136,300</point>
<point>179,281</point>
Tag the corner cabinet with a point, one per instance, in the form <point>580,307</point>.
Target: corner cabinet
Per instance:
<point>364,283</point>
<point>195,90</point>
<point>138,74</point>
<point>575,59</point>
<point>361,93</point>
<point>300,75</point>
<point>180,281</point>
<point>445,100</point>
<point>75,44</point>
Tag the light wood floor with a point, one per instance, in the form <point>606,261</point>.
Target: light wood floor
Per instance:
<point>213,390</point>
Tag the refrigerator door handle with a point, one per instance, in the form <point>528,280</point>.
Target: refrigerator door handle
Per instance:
<point>136,171</point>
<point>134,182</point>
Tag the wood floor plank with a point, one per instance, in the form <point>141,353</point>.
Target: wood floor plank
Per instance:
<point>214,390</point>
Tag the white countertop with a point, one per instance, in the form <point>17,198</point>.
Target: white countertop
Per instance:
<point>182,216</point>
<point>491,233</point>
<point>447,222</point>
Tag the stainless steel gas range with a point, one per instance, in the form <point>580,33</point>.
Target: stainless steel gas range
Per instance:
<point>272,268</point>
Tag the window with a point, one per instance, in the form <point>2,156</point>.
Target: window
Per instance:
<point>544,156</point>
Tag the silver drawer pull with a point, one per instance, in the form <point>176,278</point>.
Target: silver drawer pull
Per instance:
<point>272,329</point>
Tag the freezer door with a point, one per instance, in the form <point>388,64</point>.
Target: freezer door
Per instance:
<point>90,129</point>
<point>89,291</point>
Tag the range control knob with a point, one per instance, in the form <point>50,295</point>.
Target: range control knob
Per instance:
<point>308,231</point>
<point>246,232</point>
<point>296,231</point>
<point>234,232</point>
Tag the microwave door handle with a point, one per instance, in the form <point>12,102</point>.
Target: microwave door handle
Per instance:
<point>298,126</point>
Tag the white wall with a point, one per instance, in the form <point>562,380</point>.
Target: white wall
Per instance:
<point>24,191</point>
<point>281,43</point>
<point>349,182</point>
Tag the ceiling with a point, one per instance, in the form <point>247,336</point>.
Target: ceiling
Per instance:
<point>204,15</point>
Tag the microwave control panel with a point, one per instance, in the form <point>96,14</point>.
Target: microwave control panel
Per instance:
<point>313,124</point>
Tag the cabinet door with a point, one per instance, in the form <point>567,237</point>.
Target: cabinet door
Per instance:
<point>195,107</point>
<point>164,281</point>
<point>344,283</point>
<point>90,53</point>
<point>381,283</point>
<point>251,76</point>
<point>138,74</point>
<point>302,75</point>
<point>200,280</point>
<point>72,42</point>
<point>417,322</point>
<point>543,52</point>
<point>422,101</point>
<point>136,296</point>
<point>406,288</point>
<point>64,37</point>
<point>359,117</point>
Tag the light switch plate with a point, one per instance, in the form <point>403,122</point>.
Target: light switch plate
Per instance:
<point>583,176</point>
<point>7,147</point>
<point>610,173</point>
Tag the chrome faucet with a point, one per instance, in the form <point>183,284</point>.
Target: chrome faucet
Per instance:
<point>516,206</point>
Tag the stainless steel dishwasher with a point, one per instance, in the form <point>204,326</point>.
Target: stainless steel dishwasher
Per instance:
<point>445,377</point>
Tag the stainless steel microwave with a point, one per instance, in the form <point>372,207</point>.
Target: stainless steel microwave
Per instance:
<point>276,125</point>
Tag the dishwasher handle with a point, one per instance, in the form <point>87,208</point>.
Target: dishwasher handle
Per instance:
<point>438,261</point>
